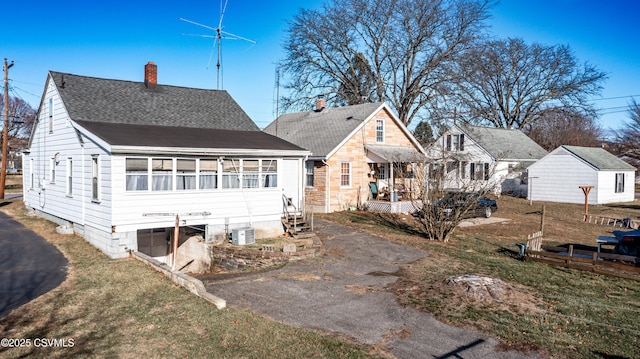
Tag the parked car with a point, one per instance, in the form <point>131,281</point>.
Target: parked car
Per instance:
<point>474,204</point>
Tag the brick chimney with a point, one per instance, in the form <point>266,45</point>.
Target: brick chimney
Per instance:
<point>151,76</point>
<point>321,104</point>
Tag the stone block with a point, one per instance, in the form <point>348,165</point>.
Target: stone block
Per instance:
<point>289,248</point>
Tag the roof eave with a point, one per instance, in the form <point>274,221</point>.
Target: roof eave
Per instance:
<point>144,150</point>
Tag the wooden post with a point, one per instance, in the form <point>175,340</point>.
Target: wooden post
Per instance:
<point>542,219</point>
<point>586,190</point>
<point>176,233</point>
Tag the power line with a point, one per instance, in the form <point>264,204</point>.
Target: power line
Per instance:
<point>615,98</point>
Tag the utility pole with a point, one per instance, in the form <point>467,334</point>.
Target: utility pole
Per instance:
<point>5,132</point>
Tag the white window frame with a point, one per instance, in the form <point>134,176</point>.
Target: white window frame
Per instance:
<point>310,173</point>
<point>31,174</point>
<point>52,170</point>
<point>345,176</point>
<point>231,173</point>
<point>269,173</point>
<point>182,175</point>
<point>380,133</point>
<point>202,174</point>
<point>250,173</point>
<point>95,178</point>
<point>69,176</point>
<point>619,184</point>
<point>51,115</point>
<point>160,175</point>
<point>139,175</point>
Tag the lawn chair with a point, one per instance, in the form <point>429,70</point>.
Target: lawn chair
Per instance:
<point>374,190</point>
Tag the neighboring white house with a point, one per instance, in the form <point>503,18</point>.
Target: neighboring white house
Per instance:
<point>558,175</point>
<point>483,157</point>
<point>117,161</point>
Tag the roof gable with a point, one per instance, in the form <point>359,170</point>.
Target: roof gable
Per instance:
<point>504,144</point>
<point>93,99</point>
<point>323,132</point>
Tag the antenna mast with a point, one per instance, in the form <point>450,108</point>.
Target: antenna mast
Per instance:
<point>219,35</point>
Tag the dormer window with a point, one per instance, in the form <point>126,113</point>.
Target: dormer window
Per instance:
<point>380,131</point>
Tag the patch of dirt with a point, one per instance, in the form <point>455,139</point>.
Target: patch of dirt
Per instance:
<point>495,292</point>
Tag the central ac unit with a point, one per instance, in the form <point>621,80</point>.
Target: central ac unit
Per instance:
<point>242,236</point>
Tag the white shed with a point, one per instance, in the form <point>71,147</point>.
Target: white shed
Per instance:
<point>557,176</point>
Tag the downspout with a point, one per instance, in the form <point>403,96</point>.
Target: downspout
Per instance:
<point>84,175</point>
<point>328,191</point>
<point>302,189</point>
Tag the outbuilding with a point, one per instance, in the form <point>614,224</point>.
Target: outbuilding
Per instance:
<point>558,176</point>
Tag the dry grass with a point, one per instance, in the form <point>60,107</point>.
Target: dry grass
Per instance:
<point>124,309</point>
<point>557,311</point>
<point>13,183</point>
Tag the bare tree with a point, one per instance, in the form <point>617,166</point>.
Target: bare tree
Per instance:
<point>627,144</point>
<point>511,84</point>
<point>21,117</point>
<point>440,208</point>
<point>409,47</point>
<point>557,128</point>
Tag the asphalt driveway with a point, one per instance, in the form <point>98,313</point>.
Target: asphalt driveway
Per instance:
<point>343,292</point>
<point>29,265</point>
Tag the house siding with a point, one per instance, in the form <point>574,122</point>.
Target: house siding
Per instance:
<point>111,222</point>
<point>472,153</point>
<point>50,194</point>
<point>557,177</point>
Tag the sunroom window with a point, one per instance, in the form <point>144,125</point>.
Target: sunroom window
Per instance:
<point>269,173</point>
<point>137,174</point>
<point>161,174</point>
<point>231,173</point>
<point>208,174</point>
<point>185,174</point>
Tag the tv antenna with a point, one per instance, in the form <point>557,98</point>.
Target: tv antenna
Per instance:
<point>217,38</point>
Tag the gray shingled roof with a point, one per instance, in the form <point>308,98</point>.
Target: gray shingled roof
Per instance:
<point>185,137</point>
<point>600,158</point>
<point>504,144</point>
<point>321,132</point>
<point>127,102</point>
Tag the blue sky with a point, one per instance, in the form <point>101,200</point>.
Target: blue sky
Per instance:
<point>114,39</point>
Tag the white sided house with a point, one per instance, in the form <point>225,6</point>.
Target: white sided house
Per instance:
<point>557,177</point>
<point>474,158</point>
<point>119,162</point>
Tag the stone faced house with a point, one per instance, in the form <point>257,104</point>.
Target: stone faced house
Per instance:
<point>355,151</point>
